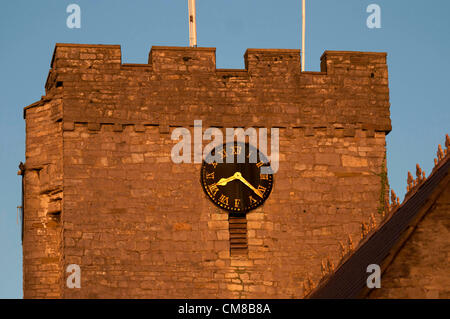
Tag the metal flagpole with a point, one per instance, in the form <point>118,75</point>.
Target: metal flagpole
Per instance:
<point>303,34</point>
<point>192,25</point>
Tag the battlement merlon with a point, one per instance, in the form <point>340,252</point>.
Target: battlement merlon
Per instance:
<point>355,63</point>
<point>179,59</point>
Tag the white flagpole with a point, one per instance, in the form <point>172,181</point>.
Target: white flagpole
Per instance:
<point>303,34</point>
<point>192,25</point>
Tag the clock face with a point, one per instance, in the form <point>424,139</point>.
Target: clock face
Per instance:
<point>236,187</point>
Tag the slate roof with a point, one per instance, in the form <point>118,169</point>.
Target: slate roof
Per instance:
<point>348,280</point>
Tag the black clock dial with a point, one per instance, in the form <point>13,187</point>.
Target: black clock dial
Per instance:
<point>237,187</point>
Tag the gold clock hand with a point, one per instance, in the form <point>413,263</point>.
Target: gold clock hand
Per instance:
<point>225,181</point>
<point>221,182</point>
<point>243,180</point>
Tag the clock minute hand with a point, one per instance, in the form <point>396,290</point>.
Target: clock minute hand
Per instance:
<point>243,180</point>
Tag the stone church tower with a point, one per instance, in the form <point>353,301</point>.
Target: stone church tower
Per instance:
<point>101,190</point>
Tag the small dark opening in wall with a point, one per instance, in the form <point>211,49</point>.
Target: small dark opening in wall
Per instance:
<point>59,84</point>
<point>372,75</point>
<point>55,216</point>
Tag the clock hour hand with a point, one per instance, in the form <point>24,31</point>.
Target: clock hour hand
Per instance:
<point>225,181</point>
<point>243,180</point>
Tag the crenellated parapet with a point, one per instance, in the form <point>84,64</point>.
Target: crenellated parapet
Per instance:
<point>180,84</point>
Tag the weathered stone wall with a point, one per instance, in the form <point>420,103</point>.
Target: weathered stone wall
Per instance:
<point>42,249</point>
<point>420,269</point>
<point>141,226</point>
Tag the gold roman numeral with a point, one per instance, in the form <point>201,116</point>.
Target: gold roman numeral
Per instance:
<point>224,152</point>
<point>223,199</point>
<point>264,176</point>
<point>237,202</point>
<point>252,200</point>
<point>260,164</point>
<point>210,176</point>
<point>262,189</point>
<point>213,189</point>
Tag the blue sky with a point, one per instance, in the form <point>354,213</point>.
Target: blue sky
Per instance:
<point>415,34</point>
